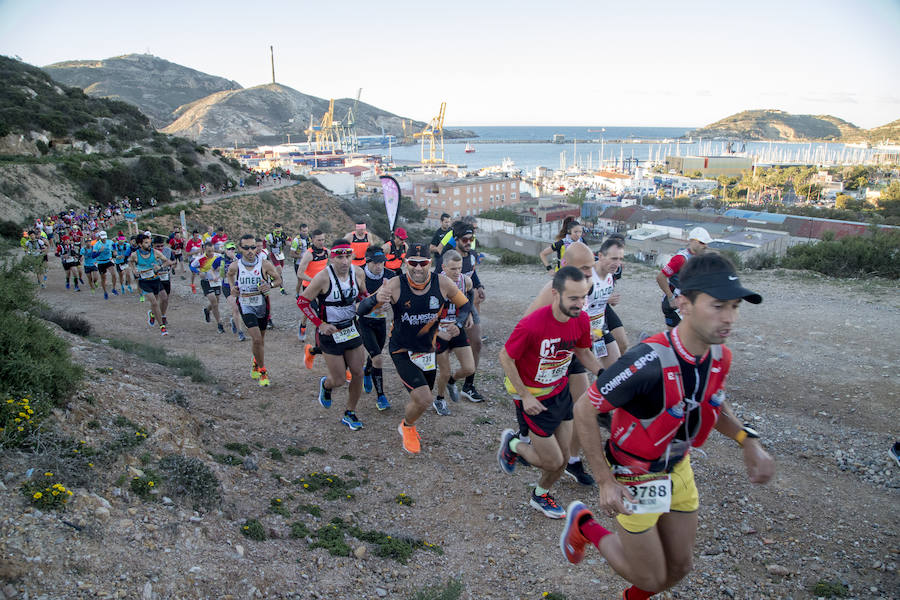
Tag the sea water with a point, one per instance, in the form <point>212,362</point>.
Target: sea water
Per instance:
<point>530,147</point>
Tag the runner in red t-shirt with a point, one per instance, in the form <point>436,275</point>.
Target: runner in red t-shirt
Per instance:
<point>667,278</point>
<point>536,359</point>
<point>193,248</point>
<point>176,243</point>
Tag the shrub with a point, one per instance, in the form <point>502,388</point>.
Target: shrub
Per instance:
<point>18,420</point>
<point>254,530</point>
<point>10,230</point>
<point>451,590</point>
<point>760,261</point>
<point>44,494</point>
<point>191,478</point>
<point>71,323</point>
<point>146,485</point>
<point>877,253</point>
<point>187,366</point>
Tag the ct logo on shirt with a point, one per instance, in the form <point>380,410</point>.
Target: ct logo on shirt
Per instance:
<point>548,347</point>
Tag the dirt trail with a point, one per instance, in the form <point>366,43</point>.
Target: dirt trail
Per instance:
<point>814,368</point>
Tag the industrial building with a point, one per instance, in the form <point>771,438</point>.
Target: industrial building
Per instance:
<point>709,166</point>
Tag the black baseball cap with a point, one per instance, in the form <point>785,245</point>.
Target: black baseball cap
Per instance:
<point>375,255</point>
<point>418,251</point>
<point>722,285</point>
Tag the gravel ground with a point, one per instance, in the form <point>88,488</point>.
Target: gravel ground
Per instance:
<point>814,368</point>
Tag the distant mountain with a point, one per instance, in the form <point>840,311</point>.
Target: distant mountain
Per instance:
<point>782,126</point>
<point>153,84</point>
<point>267,113</point>
<point>888,132</point>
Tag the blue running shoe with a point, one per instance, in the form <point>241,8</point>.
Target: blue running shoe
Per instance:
<point>105,296</point>
<point>381,403</point>
<point>351,421</point>
<point>548,505</point>
<point>367,382</point>
<point>324,395</point>
<point>115,292</point>
<point>241,336</point>
<point>67,284</point>
<point>506,457</point>
<point>234,328</point>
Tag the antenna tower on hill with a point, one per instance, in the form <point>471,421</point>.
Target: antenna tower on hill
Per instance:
<point>272,56</point>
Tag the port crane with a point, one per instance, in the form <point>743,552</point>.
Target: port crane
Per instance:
<point>327,133</point>
<point>349,133</point>
<point>434,128</point>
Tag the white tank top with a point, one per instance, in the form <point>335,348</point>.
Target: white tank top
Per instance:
<point>451,308</point>
<point>248,280</point>
<point>602,289</point>
<point>340,303</point>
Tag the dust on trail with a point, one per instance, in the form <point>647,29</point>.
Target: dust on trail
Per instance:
<point>814,370</point>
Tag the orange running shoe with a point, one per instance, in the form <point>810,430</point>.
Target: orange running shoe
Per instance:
<point>308,356</point>
<point>572,541</point>
<point>263,377</point>
<point>193,288</point>
<point>410,437</point>
<point>349,377</point>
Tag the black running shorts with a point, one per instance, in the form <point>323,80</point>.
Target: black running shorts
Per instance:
<point>90,268</point>
<point>461,340</point>
<point>104,267</point>
<point>251,320</point>
<point>327,344</point>
<point>410,374</point>
<point>208,289</point>
<point>374,334</point>
<point>166,286</point>
<point>559,409</point>
<point>150,286</point>
<point>612,319</point>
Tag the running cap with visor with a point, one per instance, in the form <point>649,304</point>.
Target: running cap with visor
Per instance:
<point>102,235</point>
<point>721,285</point>
<point>400,233</point>
<point>375,255</point>
<point>418,251</point>
<point>700,234</point>
<point>341,247</point>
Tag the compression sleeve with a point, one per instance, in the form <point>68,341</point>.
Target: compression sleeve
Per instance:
<point>367,305</point>
<point>463,308</point>
<point>306,309</point>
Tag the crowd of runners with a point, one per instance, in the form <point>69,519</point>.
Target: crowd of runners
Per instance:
<point>580,390</point>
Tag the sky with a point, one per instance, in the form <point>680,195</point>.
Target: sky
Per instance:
<point>497,62</point>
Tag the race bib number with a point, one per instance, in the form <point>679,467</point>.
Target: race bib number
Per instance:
<point>651,496</point>
<point>551,370</point>
<point>255,300</point>
<point>598,324</point>
<point>346,334</point>
<point>279,255</point>
<point>423,360</point>
<point>147,274</point>
<point>215,284</point>
<point>600,350</point>
<point>164,276</point>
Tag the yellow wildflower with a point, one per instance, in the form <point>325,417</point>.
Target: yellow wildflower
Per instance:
<point>150,483</point>
<point>55,492</point>
<point>38,495</point>
<point>48,474</point>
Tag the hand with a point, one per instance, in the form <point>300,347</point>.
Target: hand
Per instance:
<point>532,406</point>
<point>264,286</point>
<point>327,329</point>
<point>448,332</point>
<point>614,298</point>
<point>611,496</point>
<point>383,295</point>
<point>760,464</point>
<point>479,293</point>
<point>470,320</point>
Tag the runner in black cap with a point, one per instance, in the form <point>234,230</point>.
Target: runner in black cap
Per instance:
<point>418,298</point>
<point>665,395</point>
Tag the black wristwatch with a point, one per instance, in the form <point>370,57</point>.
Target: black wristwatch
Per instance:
<point>548,267</point>
<point>746,433</point>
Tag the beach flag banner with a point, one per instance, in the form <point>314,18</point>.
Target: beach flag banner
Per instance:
<point>391,190</point>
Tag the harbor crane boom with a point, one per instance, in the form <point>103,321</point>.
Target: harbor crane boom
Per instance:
<point>433,131</point>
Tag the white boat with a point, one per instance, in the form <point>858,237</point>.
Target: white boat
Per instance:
<point>469,148</point>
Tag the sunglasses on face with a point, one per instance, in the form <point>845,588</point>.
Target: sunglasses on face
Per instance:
<point>419,263</point>
<point>342,252</point>
<point>248,247</point>
<point>467,238</point>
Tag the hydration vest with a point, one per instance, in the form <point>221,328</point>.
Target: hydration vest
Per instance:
<point>394,258</point>
<point>644,443</point>
<point>359,249</point>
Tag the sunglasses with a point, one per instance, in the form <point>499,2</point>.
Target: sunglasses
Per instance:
<point>342,252</point>
<point>467,238</point>
<point>418,263</point>
<point>248,247</point>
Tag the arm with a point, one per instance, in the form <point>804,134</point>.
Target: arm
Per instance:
<point>530,404</point>
<point>663,282</point>
<point>545,255</point>
<point>309,294</point>
<point>587,358</point>
<point>610,492</point>
<point>269,270</point>
<point>231,279</point>
<point>544,298</point>
<point>760,464</point>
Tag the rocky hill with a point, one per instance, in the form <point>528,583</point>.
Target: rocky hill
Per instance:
<point>217,111</point>
<point>887,132</point>
<point>780,125</point>
<point>153,84</point>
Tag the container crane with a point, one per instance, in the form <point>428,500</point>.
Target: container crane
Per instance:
<point>351,138</point>
<point>434,128</point>
<point>327,133</point>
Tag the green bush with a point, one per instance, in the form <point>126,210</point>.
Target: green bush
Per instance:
<point>451,590</point>
<point>191,478</point>
<point>35,363</point>
<point>760,261</point>
<point>10,230</point>
<point>874,254</point>
<point>71,323</point>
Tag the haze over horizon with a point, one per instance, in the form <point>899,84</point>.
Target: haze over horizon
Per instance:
<point>586,64</point>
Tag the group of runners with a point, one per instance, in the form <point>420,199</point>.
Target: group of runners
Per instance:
<point>568,364</point>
